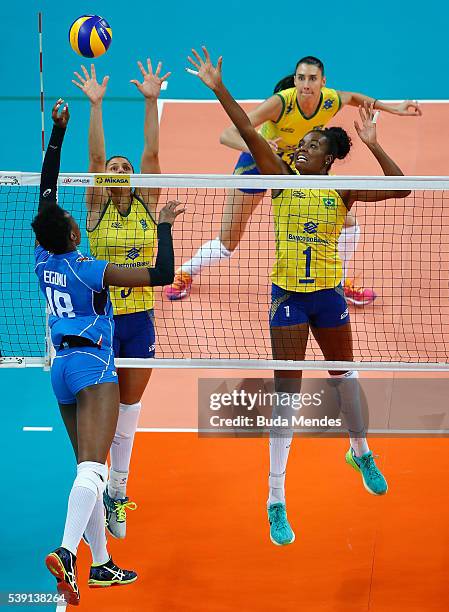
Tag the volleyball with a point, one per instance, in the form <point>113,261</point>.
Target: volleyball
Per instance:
<point>90,35</point>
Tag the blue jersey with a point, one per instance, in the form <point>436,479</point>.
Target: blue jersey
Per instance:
<point>79,303</point>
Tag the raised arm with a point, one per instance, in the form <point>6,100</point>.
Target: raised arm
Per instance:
<point>269,110</point>
<point>52,159</point>
<point>48,188</point>
<point>368,135</point>
<point>408,108</point>
<point>267,161</point>
<point>150,88</point>
<point>163,272</point>
<point>94,91</point>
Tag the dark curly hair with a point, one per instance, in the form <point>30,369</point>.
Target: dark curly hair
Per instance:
<point>52,228</point>
<point>338,140</point>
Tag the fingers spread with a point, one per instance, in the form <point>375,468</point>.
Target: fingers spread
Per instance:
<point>197,55</point>
<point>193,62</point>
<point>141,68</point>
<point>206,53</point>
<point>77,74</point>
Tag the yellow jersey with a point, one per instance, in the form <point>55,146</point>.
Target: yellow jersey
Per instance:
<point>308,223</point>
<point>127,240</point>
<point>292,125</point>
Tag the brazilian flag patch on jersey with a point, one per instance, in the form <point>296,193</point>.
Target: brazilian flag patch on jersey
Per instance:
<point>329,202</point>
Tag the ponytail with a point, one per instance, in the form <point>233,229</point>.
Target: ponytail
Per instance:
<point>285,83</point>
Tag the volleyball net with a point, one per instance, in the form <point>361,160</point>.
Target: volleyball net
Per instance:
<point>403,255</point>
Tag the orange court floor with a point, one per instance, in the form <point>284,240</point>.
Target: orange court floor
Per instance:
<point>200,538</point>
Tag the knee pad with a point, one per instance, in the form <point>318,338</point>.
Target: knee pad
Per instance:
<point>92,476</point>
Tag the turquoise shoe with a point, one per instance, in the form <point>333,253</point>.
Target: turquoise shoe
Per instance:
<point>373,478</point>
<point>281,533</point>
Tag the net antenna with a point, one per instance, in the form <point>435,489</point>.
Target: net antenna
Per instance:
<point>41,79</point>
<point>49,350</point>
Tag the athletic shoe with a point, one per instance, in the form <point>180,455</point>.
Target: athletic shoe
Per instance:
<point>62,564</point>
<point>115,511</point>
<point>280,531</point>
<point>373,479</point>
<point>181,286</point>
<point>359,296</point>
<point>108,574</point>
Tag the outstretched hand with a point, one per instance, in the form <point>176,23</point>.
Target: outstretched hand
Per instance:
<point>89,84</point>
<point>169,213</point>
<point>151,85</point>
<point>205,70</point>
<point>367,132</point>
<point>60,120</point>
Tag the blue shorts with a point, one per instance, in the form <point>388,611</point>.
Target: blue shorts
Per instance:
<point>134,335</point>
<point>74,369</point>
<point>246,165</point>
<point>323,308</point>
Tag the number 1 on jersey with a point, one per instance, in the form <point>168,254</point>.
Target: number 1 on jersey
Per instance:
<point>308,254</point>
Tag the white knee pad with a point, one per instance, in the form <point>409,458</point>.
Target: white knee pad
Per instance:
<point>92,476</point>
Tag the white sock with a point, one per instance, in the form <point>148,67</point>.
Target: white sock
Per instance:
<point>347,245</point>
<point>280,442</point>
<point>121,449</point>
<point>349,399</point>
<point>96,534</point>
<point>209,254</point>
<point>359,446</point>
<point>88,486</point>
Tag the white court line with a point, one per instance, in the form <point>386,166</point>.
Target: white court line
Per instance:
<point>442,432</point>
<point>160,108</point>
<point>251,101</point>
<point>167,429</point>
